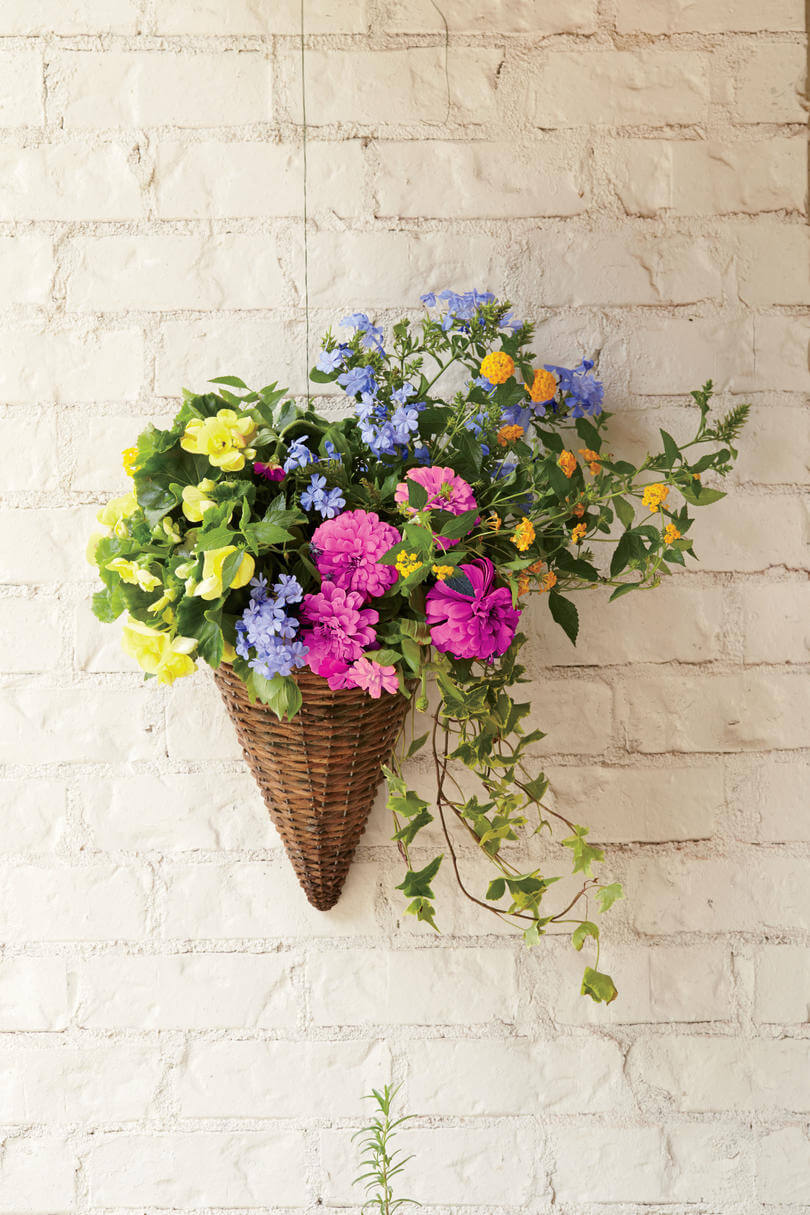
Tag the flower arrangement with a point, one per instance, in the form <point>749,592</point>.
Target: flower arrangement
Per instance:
<point>398,544</point>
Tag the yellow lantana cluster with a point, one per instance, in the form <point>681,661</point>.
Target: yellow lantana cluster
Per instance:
<point>543,387</point>
<point>497,367</point>
<point>223,438</point>
<point>578,533</point>
<point>442,571</point>
<point>509,434</point>
<point>567,462</point>
<point>671,534</point>
<point>654,495</point>
<point>524,534</point>
<point>593,458</point>
<point>407,563</point>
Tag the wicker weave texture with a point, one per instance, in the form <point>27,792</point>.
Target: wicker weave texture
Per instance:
<point>318,773</point>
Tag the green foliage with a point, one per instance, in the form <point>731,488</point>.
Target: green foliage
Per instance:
<point>381,1162</point>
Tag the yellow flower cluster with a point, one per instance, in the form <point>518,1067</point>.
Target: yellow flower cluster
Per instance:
<point>130,571</point>
<point>497,367</point>
<point>567,462</point>
<point>654,495</point>
<point>128,457</point>
<point>509,434</point>
<point>210,587</point>
<point>671,534</point>
<point>524,535</point>
<point>157,653</point>
<point>578,533</point>
<point>543,386</point>
<point>494,522</point>
<point>223,438</point>
<point>442,571</point>
<point>407,563</point>
<point>593,458</point>
<point>196,500</point>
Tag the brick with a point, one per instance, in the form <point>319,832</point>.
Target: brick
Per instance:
<point>782,990</point>
<point>177,813</point>
<point>783,1167</point>
<point>34,621</point>
<point>775,446</point>
<point>345,268</point>
<point>115,1082</point>
<point>655,177</point>
<point>72,725</point>
<point>663,356</point>
<point>160,88</point>
<point>778,794</point>
<point>638,1164</point>
<point>186,991</point>
<point>76,903</point>
<point>751,711</point>
<point>659,984</point>
<point>786,603</point>
<point>161,271</point>
<point>32,815</point>
<point>223,1169</point>
<point>781,349</point>
<point>28,455</point>
<point>625,88</point>
<point>95,456</point>
<point>769,84</point>
<point>68,181</point>
<point>197,725</point>
<point>577,716</point>
<point>712,1074</point>
<point>33,994</point>
<point>212,179</point>
<point>629,805</point>
<point>412,987</point>
<point>399,86</point>
<point>39,365</point>
<point>452,1164</point>
<point>246,17</point>
<point>746,532</point>
<point>750,893</point>
<point>20,89</point>
<point>43,545</point>
<point>190,352</point>
<point>98,646</point>
<point>675,623</point>
<point>277,1079</point>
<point>69,17</point>
<point>262,899</point>
<point>37,1175</point>
<point>707,16</point>
<point>500,179</point>
<point>565,1076</point>
<point>520,17</point>
<point>623,269</point>
<point>26,266</point>
<point>774,264</point>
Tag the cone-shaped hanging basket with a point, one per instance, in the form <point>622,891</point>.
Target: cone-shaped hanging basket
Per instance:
<point>317,773</point>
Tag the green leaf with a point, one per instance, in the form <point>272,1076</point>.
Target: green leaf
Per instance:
<point>416,745</point>
<point>607,896</point>
<point>460,583</point>
<point>458,525</point>
<point>622,554</point>
<point>201,619</point>
<point>281,694</point>
<point>671,450</point>
<point>496,889</point>
<point>232,381</point>
<point>264,533</point>
<point>582,931</point>
<point>701,497</point>
<point>623,590</point>
<point>625,511</point>
<point>323,377</point>
<point>109,604</point>
<point>417,494</point>
<point>565,614</point>
<point>599,987</point>
<point>413,826</point>
<point>416,883</point>
<point>422,908</point>
<point>585,854</point>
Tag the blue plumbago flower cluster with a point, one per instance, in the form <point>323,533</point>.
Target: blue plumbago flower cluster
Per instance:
<point>329,502</point>
<point>585,393</point>
<point>299,455</point>
<point>266,628</point>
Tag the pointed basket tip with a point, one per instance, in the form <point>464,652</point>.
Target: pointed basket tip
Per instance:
<point>318,774</point>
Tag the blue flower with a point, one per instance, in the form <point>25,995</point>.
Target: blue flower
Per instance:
<point>288,589</point>
<point>265,633</point>
<point>481,381</point>
<point>314,492</point>
<point>356,320</point>
<point>330,360</point>
<point>330,451</point>
<point>358,380</point>
<point>298,455</point>
<point>422,454</point>
<point>583,392</point>
<point>401,395</point>
<point>429,299</point>
<point>405,422</point>
<point>515,415</point>
<point>380,440</point>
<point>332,503</point>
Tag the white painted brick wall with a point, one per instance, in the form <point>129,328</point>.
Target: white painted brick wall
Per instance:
<point>178,1029</point>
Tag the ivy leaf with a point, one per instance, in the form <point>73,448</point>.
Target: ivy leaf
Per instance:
<point>413,827</point>
<point>496,889</point>
<point>565,614</point>
<point>585,854</point>
<point>582,931</point>
<point>423,909</point>
<point>607,896</point>
<point>599,987</point>
<point>416,883</point>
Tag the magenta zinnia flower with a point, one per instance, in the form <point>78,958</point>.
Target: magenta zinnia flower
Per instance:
<point>472,626</point>
<point>347,552</point>
<point>445,491</point>
<point>337,629</point>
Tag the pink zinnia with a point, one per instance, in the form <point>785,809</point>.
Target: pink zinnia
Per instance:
<point>477,625</point>
<point>445,491</point>
<point>348,548</point>
<point>372,677</point>
<point>337,629</point>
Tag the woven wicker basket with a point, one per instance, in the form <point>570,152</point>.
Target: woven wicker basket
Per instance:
<point>318,773</point>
